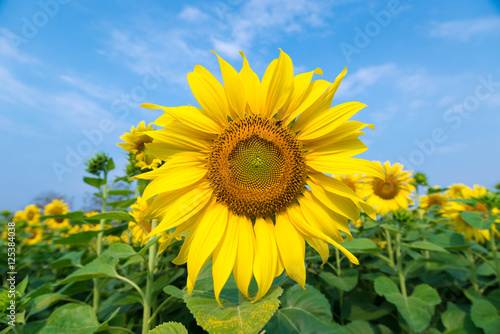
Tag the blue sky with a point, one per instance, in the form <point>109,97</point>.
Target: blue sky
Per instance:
<point>73,73</point>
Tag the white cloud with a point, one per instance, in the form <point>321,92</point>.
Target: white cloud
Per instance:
<point>465,29</point>
<point>365,77</point>
<point>192,14</point>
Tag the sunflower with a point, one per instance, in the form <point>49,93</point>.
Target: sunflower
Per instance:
<point>135,141</point>
<point>19,216</point>
<point>391,194</point>
<point>454,210</point>
<point>433,199</point>
<point>246,177</point>
<point>455,191</point>
<point>141,228</point>
<point>32,214</point>
<point>352,181</point>
<point>36,235</point>
<point>57,207</point>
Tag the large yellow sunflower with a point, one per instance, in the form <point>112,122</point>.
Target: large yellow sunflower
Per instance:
<point>391,194</point>
<point>246,177</point>
<point>454,209</point>
<point>57,207</point>
<point>135,141</point>
<point>455,191</point>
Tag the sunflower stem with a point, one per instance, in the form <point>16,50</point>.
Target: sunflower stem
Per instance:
<point>341,293</point>
<point>389,245</point>
<point>472,263</point>
<point>402,282</point>
<point>494,251</point>
<point>148,297</point>
<point>96,294</point>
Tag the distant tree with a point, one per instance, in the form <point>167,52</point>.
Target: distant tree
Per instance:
<point>48,196</point>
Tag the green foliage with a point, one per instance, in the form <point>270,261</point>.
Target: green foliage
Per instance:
<point>169,328</point>
<point>417,309</point>
<point>485,316</point>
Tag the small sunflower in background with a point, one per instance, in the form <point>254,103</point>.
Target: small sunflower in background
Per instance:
<point>36,235</point>
<point>19,216</point>
<point>431,199</point>
<point>32,214</point>
<point>456,191</point>
<point>57,207</point>
<point>245,175</point>
<point>454,209</point>
<point>135,143</point>
<point>392,193</point>
<point>352,181</point>
<point>141,228</point>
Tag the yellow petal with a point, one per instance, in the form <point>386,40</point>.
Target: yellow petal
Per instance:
<point>326,122</point>
<point>251,83</point>
<point>177,178</point>
<point>233,86</point>
<point>209,93</point>
<point>277,84</point>
<point>179,162</point>
<point>334,165</point>
<point>320,105</point>
<point>243,267</point>
<point>177,208</point>
<point>266,255</point>
<point>315,91</point>
<point>320,246</point>
<point>183,141</point>
<point>301,224</point>
<point>190,116</point>
<point>342,205</point>
<point>333,185</point>
<point>344,148</point>
<point>182,257</point>
<point>318,218</point>
<point>292,249</point>
<point>301,83</point>
<point>225,255</point>
<point>209,232</point>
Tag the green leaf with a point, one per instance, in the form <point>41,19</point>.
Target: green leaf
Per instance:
<point>103,266</point>
<point>346,282</point>
<point>425,245</point>
<point>476,220</point>
<point>120,192</point>
<point>361,245</point>
<point>457,321</point>
<point>122,204</point>
<point>21,287</point>
<point>246,317</point>
<point>358,326</point>
<point>80,238</point>
<point>485,316</point>
<point>361,306</point>
<point>468,201</point>
<point>174,291</point>
<point>94,181</point>
<point>71,215</point>
<point>169,328</point>
<point>485,269</point>
<point>449,240</point>
<point>72,318</point>
<point>119,215</point>
<point>121,251</point>
<point>303,311</point>
<point>110,165</point>
<point>416,309</point>
<point>67,260</point>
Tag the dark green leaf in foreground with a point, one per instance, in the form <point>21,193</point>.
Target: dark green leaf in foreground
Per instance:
<point>103,266</point>
<point>476,220</point>
<point>303,311</point>
<point>118,215</point>
<point>416,309</point>
<point>485,316</point>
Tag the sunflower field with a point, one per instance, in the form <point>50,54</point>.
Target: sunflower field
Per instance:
<point>251,214</point>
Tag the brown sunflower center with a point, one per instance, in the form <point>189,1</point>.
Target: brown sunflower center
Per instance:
<point>387,189</point>
<point>256,166</point>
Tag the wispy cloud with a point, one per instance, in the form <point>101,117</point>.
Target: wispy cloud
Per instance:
<point>464,30</point>
<point>366,77</point>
